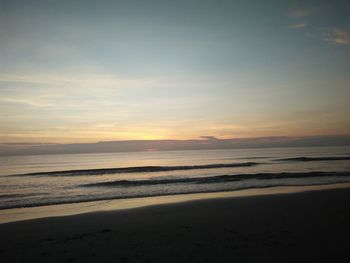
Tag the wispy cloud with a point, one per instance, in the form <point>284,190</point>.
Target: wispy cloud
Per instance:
<point>300,13</point>
<point>297,26</point>
<point>334,35</point>
<point>338,36</point>
<point>26,101</point>
<point>74,80</point>
<point>299,16</point>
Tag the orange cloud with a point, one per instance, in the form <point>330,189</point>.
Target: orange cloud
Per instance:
<point>297,26</point>
<point>300,13</point>
<point>337,36</point>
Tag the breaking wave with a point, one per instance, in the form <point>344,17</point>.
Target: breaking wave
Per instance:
<point>139,169</point>
<point>217,179</point>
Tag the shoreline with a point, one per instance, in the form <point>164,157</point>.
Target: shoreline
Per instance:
<point>71,209</point>
<point>303,226</point>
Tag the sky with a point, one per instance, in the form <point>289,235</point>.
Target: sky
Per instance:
<point>89,71</point>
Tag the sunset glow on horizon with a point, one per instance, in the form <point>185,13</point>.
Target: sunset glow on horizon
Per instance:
<point>89,71</point>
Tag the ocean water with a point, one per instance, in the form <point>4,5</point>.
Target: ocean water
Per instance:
<point>55,179</point>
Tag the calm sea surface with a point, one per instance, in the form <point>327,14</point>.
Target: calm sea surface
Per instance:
<point>54,179</point>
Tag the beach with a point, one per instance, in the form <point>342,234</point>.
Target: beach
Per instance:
<point>174,131</point>
<point>310,225</point>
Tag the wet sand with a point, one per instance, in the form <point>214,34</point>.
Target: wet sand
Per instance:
<point>294,227</point>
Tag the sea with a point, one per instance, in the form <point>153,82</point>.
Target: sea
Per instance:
<point>37,180</point>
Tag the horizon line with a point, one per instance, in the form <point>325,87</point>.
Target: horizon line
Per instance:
<point>199,138</point>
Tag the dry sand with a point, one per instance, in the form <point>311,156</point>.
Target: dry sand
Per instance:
<point>297,227</point>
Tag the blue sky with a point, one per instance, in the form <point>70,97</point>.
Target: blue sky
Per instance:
<point>85,71</point>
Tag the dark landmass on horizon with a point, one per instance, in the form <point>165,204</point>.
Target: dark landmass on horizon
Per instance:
<point>204,143</point>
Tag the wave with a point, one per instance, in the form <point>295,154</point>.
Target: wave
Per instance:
<point>315,159</point>
<point>200,185</point>
<point>5,196</point>
<point>139,169</point>
<point>216,179</point>
<point>248,158</point>
<point>343,178</point>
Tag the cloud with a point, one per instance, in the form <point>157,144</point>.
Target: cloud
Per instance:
<point>208,137</point>
<point>30,102</point>
<point>298,17</point>
<point>338,36</point>
<point>75,80</point>
<point>297,26</point>
<point>300,13</point>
